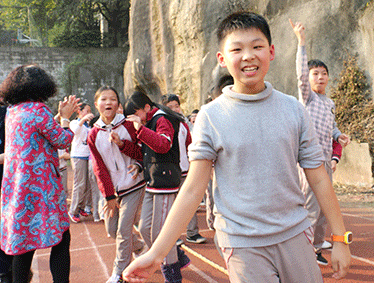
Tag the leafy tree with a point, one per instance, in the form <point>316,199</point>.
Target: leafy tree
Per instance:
<point>33,17</point>
<point>78,25</point>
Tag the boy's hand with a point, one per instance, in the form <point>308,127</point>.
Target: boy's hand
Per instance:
<point>344,140</point>
<point>141,268</point>
<point>299,31</point>
<point>136,120</point>
<point>133,170</point>
<point>340,259</point>
<point>114,137</point>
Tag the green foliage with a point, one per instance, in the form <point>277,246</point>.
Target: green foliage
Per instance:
<point>33,17</point>
<point>68,22</point>
<point>354,105</point>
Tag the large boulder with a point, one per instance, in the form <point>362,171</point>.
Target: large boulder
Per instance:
<point>173,43</point>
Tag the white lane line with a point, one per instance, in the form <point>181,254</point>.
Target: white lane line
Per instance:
<point>357,216</point>
<point>202,274</point>
<point>103,265</point>
<point>363,260</point>
<point>81,249</point>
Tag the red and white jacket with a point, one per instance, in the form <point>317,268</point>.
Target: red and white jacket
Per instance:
<point>110,163</point>
<point>184,138</point>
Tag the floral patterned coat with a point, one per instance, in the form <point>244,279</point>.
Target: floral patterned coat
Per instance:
<point>33,201</point>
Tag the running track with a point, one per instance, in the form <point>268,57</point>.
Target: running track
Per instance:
<point>92,253</point>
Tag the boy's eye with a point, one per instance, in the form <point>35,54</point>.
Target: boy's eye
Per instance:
<point>258,47</point>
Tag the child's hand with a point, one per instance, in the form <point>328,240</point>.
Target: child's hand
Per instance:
<point>333,165</point>
<point>65,156</point>
<point>340,259</point>
<point>110,206</point>
<point>114,137</point>
<point>133,170</point>
<point>299,31</point>
<point>136,120</point>
<point>344,140</point>
<point>88,117</point>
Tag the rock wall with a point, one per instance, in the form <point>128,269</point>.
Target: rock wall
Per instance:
<point>173,43</point>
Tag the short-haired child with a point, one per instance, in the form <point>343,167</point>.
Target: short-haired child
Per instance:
<point>256,136</point>
<point>313,77</point>
<point>184,138</point>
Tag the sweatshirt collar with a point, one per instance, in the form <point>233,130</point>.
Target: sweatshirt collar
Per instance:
<point>227,91</point>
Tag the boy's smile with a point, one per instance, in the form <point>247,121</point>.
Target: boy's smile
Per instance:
<point>247,55</point>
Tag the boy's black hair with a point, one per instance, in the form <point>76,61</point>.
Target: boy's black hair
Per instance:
<point>242,21</point>
<point>27,83</point>
<point>104,88</point>
<point>138,100</point>
<point>315,63</point>
<point>166,98</point>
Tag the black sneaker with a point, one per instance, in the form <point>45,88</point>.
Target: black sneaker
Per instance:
<point>321,260</point>
<point>196,239</point>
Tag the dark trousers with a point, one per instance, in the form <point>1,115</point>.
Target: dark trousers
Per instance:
<point>59,262</point>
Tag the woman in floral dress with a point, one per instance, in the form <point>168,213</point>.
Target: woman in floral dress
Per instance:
<point>33,201</point>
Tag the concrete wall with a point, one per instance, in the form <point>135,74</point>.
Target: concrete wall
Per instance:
<point>92,67</point>
<point>355,166</point>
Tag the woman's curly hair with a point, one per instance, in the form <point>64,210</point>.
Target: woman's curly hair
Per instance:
<point>27,83</point>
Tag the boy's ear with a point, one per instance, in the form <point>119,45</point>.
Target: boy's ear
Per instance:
<point>272,52</point>
<point>221,59</point>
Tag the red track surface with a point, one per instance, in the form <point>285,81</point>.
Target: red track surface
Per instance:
<point>92,253</point>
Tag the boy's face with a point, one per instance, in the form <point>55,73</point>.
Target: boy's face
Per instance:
<point>247,55</point>
<point>318,79</point>
<point>174,105</point>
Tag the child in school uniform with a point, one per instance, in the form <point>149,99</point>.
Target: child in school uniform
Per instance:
<point>157,127</point>
<point>114,152</point>
<point>184,138</point>
<point>255,135</point>
<point>79,156</point>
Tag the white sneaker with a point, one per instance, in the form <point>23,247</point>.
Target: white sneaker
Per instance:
<point>326,245</point>
<point>115,278</point>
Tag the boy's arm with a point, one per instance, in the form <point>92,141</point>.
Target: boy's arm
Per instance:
<point>302,69</point>
<point>321,185</point>
<point>180,214</point>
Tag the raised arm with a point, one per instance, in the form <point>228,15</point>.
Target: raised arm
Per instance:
<point>302,69</point>
<point>320,182</point>
<point>180,214</point>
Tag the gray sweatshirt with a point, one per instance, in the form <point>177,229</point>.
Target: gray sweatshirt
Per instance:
<point>256,142</point>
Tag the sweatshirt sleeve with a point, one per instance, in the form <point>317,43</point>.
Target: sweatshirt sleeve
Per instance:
<point>104,180</point>
<point>131,148</point>
<point>161,140</point>
<point>202,146</point>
